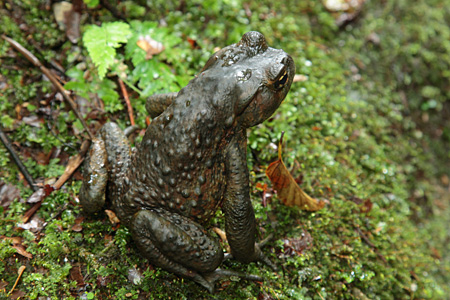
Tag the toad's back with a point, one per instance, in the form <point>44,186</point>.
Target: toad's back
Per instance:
<point>180,163</point>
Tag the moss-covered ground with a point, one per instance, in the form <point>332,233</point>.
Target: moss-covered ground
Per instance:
<point>366,127</point>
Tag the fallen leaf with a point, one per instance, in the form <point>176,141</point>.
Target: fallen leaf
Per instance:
<point>3,284</point>
<point>22,251</point>
<point>263,188</point>
<point>296,246</point>
<point>68,17</point>
<point>17,294</point>
<point>265,296</point>
<point>13,239</point>
<point>435,253</point>
<point>135,276</point>
<point>112,217</point>
<point>103,280</point>
<point>75,274</point>
<point>260,186</point>
<point>193,43</point>
<point>220,233</point>
<point>150,46</point>
<point>288,190</point>
<point>223,237</point>
<point>59,11</point>
<point>37,196</point>
<point>365,205</point>
<point>8,193</point>
<point>77,227</point>
<point>32,225</point>
<point>34,121</point>
<point>445,180</point>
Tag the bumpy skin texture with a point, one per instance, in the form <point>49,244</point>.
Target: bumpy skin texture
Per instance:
<point>192,160</point>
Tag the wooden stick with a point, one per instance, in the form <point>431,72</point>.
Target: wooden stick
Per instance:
<point>20,271</point>
<point>17,160</point>
<point>33,59</point>
<point>127,101</point>
<point>74,163</point>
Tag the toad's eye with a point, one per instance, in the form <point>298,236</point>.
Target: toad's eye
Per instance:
<point>281,81</point>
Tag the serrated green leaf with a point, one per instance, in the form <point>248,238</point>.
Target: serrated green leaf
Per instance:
<point>76,74</point>
<point>117,32</point>
<point>102,41</point>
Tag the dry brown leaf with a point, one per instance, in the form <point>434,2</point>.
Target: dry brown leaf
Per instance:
<point>112,217</point>
<point>288,190</point>
<point>150,46</point>
<point>296,246</point>
<point>68,17</point>
<point>75,274</point>
<point>8,194</point>
<point>22,251</point>
<point>220,233</point>
<point>77,227</point>
<point>223,237</point>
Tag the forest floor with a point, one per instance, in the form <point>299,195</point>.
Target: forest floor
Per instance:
<point>366,127</point>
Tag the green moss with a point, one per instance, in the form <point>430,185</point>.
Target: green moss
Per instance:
<point>354,129</point>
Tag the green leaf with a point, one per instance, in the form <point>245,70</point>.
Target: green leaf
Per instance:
<point>102,41</point>
<point>90,295</point>
<point>91,3</point>
<point>132,50</point>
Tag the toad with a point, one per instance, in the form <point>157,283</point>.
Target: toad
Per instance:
<point>192,161</point>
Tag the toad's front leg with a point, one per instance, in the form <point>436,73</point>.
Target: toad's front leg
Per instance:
<point>157,104</point>
<point>240,225</point>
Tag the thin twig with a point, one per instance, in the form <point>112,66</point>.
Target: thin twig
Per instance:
<point>131,86</point>
<point>370,244</point>
<point>33,59</point>
<point>17,160</point>
<point>29,213</point>
<point>72,166</point>
<point>20,271</point>
<point>127,101</point>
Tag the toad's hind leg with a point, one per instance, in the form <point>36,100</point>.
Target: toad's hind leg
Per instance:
<point>105,167</point>
<point>176,244</point>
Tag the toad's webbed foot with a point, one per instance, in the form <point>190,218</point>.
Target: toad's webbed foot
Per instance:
<point>259,254</point>
<point>264,258</point>
<point>213,277</point>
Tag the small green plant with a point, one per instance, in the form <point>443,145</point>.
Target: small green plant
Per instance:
<point>352,137</point>
<point>101,43</point>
